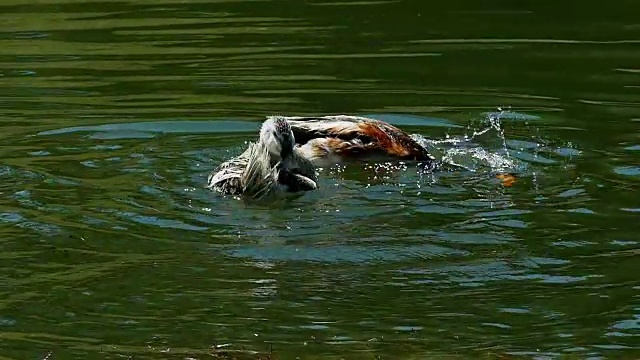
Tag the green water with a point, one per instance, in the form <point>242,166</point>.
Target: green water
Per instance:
<point>113,113</point>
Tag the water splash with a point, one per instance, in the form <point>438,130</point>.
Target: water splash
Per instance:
<point>481,148</point>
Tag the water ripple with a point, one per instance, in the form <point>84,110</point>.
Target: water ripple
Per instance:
<point>113,114</point>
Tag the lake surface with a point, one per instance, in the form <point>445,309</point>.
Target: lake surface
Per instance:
<point>113,113</point>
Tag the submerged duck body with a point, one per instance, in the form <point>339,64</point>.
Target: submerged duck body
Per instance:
<point>290,148</point>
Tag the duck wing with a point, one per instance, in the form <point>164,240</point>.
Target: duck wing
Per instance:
<point>226,178</point>
<point>338,126</point>
<point>360,135</point>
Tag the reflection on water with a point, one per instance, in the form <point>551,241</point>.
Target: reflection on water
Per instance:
<point>113,113</point>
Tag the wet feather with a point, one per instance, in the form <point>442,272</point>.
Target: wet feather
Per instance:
<point>271,165</point>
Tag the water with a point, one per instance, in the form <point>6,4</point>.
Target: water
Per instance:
<point>113,113</point>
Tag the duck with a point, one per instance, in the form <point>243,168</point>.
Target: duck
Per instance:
<point>290,149</point>
<point>272,165</point>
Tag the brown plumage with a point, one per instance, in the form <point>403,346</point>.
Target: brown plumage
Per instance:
<point>327,140</point>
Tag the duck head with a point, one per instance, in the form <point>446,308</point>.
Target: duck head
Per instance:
<point>277,137</point>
